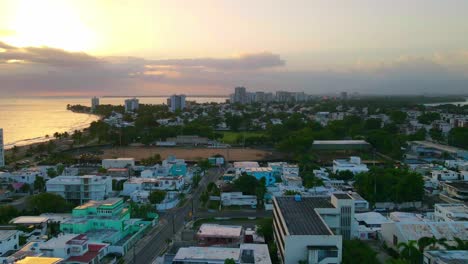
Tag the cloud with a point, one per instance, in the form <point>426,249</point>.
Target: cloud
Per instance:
<point>242,62</point>
<point>47,71</point>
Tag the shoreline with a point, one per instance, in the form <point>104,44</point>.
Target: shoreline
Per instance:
<point>33,142</point>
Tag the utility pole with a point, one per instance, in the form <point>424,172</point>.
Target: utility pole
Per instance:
<point>173,223</point>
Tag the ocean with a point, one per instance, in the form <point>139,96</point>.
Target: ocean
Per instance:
<point>29,120</point>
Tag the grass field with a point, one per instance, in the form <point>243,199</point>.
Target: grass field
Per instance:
<point>231,137</point>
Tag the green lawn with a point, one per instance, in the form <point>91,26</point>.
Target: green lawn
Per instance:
<point>231,137</point>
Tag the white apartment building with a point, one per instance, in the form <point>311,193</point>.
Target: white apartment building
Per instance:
<point>151,184</point>
<point>81,188</point>
<point>9,240</point>
<point>118,163</point>
<point>131,105</point>
<point>353,165</point>
<point>444,175</point>
<point>312,228</point>
<point>450,212</point>
<point>2,149</point>
<point>177,102</point>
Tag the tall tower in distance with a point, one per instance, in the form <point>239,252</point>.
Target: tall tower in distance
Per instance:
<point>94,103</point>
<point>2,149</point>
<point>177,102</point>
<point>131,105</point>
<point>240,95</point>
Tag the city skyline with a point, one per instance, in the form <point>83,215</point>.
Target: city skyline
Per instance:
<point>90,48</point>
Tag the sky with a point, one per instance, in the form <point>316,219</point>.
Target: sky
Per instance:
<point>151,47</point>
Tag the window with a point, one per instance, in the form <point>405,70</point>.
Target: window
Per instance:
<point>395,240</point>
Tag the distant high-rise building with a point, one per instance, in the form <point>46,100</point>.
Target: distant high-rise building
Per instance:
<point>2,149</point>
<point>131,105</point>
<point>240,95</point>
<point>344,95</point>
<point>282,96</point>
<point>177,102</point>
<point>94,103</point>
<point>300,97</point>
<point>260,97</point>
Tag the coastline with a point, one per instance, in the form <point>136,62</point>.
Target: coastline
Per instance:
<point>23,145</point>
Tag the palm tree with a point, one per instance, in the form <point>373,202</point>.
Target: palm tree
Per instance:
<point>461,245</point>
<point>424,242</point>
<point>410,251</point>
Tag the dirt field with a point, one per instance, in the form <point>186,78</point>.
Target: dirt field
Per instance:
<point>193,154</point>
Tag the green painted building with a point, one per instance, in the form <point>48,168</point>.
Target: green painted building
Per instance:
<point>107,221</point>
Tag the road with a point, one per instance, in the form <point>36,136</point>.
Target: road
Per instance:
<point>153,244</point>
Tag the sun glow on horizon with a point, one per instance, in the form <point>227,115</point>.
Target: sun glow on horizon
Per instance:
<point>52,23</point>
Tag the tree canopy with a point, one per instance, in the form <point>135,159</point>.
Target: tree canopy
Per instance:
<point>47,203</point>
<point>157,196</point>
<point>356,251</point>
<point>390,185</point>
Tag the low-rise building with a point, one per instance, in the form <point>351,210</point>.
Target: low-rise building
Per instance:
<point>444,175</point>
<point>9,240</point>
<point>238,199</point>
<point>241,166</point>
<point>370,224</point>
<point>80,189</point>
<point>312,228</point>
<point>108,222</point>
<point>245,254</point>
<point>445,257</point>
<point>151,184</point>
<point>118,163</point>
<point>454,192</point>
<point>450,212</point>
<point>213,234</point>
<point>72,248</point>
<point>262,172</point>
<point>353,165</point>
<point>398,232</point>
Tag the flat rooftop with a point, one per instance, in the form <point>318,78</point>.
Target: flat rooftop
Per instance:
<point>39,260</point>
<point>449,257</point>
<point>246,164</point>
<point>447,230</point>
<point>372,218</point>
<point>207,253</point>
<point>29,220</point>
<point>261,253</point>
<point>445,148</point>
<point>342,196</point>
<point>214,230</point>
<point>76,179</point>
<point>92,203</point>
<point>462,185</point>
<point>5,234</point>
<point>301,218</point>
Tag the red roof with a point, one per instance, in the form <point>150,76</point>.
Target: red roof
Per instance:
<point>93,252</point>
<point>95,247</point>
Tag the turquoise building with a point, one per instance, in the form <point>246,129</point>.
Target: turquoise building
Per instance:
<point>177,167</point>
<point>109,222</point>
<point>262,172</point>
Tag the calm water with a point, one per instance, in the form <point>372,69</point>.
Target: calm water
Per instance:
<point>29,120</point>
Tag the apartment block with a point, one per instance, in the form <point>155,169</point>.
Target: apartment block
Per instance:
<point>80,189</point>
